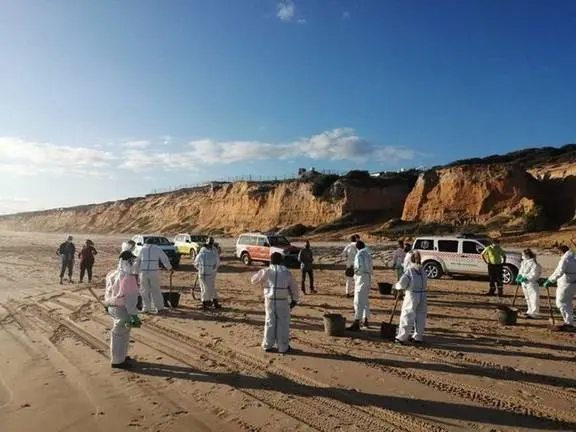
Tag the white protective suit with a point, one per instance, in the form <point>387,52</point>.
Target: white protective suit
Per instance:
<point>565,276</point>
<point>279,290</point>
<point>148,259</point>
<point>121,296</point>
<point>349,254</point>
<point>362,281</point>
<point>414,308</point>
<point>531,270</point>
<point>407,260</point>
<point>207,262</point>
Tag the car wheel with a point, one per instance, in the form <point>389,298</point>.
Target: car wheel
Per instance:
<point>433,270</point>
<point>192,254</point>
<point>508,275</point>
<point>246,258</point>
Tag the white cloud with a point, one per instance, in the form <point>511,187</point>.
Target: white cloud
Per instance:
<point>337,144</point>
<point>346,15</point>
<point>285,10</point>
<point>136,144</point>
<point>302,21</point>
<point>19,156</point>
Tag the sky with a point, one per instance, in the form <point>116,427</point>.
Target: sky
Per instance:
<point>102,100</point>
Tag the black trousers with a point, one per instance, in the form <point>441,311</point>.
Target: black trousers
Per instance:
<point>310,274</point>
<point>495,275</point>
<point>67,264</point>
<point>86,267</point>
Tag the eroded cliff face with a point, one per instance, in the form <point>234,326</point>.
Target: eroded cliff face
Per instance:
<point>474,194</point>
<point>229,208</point>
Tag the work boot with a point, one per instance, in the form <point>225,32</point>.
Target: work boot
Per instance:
<point>206,305</point>
<point>500,292</point>
<point>124,365</point>
<point>355,326</point>
<point>365,323</point>
<point>61,281</point>
<point>217,304</point>
<point>490,293</point>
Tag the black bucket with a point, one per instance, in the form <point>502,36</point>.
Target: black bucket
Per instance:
<point>171,299</point>
<point>139,303</point>
<point>334,324</point>
<point>388,331</point>
<point>385,288</point>
<point>507,315</point>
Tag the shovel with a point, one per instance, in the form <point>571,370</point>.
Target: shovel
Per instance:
<point>194,287</point>
<point>551,319</point>
<point>97,298</point>
<point>387,329</point>
<point>171,299</point>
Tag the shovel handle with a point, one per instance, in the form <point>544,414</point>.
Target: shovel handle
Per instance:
<point>515,295</point>
<point>550,307</point>
<point>394,308</point>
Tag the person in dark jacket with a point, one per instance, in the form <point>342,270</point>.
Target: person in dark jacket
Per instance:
<point>86,256</point>
<point>67,252</point>
<point>306,260</point>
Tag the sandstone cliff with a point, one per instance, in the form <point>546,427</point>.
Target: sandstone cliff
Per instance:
<point>472,194</point>
<point>530,189</point>
<point>228,208</point>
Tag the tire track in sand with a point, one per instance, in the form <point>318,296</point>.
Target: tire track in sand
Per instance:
<point>486,397</point>
<point>377,418</point>
<point>59,324</point>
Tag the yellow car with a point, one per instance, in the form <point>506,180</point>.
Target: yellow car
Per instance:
<point>189,244</point>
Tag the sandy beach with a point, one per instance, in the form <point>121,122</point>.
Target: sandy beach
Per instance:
<point>205,371</point>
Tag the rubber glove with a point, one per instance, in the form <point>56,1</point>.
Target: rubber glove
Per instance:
<point>547,283</point>
<point>134,322</point>
<point>518,279</point>
<point>292,304</point>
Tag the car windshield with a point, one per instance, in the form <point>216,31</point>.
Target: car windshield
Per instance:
<point>278,241</point>
<point>485,242</point>
<point>199,239</point>
<point>157,240</point>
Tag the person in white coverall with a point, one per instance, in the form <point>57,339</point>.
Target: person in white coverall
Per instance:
<point>280,296</point>
<point>349,254</point>
<point>363,268</point>
<point>121,297</point>
<point>528,276</point>
<point>148,263</point>
<point>565,276</point>
<point>398,259</point>
<point>207,262</point>
<point>414,283</point>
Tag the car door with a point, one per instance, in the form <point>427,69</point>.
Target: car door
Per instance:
<point>448,250</point>
<point>263,248</point>
<point>471,257</point>
<point>253,248</point>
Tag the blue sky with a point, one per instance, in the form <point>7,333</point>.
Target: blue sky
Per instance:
<point>113,98</point>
